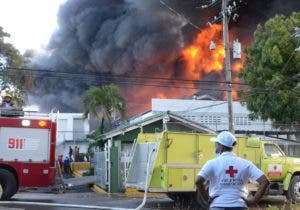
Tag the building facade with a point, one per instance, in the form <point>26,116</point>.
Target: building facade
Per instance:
<point>72,129</point>
<point>214,115</point>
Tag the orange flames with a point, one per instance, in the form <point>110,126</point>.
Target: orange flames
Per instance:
<point>161,95</point>
<point>198,61</point>
<point>139,98</point>
<point>198,57</point>
<point>237,66</point>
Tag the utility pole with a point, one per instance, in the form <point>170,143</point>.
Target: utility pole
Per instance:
<point>227,11</point>
<point>227,66</point>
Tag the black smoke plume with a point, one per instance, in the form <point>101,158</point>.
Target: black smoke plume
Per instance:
<point>104,41</point>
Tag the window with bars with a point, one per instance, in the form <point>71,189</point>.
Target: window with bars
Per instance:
<point>242,121</point>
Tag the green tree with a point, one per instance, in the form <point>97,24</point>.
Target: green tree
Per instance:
<point>272,71</point>
<point>103,102</point>
<point>11,73</point>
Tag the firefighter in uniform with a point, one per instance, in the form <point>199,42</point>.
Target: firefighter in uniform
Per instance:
<point>7,101</point>
<point>228,176</point>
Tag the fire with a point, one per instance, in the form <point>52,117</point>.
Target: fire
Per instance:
<point>161,95</point>
<point>201,60</point>
<point>234,94</point>
<point>192,52</point>
<point>237,66</point>
<point>218,57</point>
<point>139,97</point>
<point>235,87</point>
<point>198,61</point>
<point>198,57</point>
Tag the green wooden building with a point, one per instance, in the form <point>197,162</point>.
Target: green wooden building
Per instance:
<point>111,162</point>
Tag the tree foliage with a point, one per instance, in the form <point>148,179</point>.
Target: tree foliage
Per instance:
<point>103,102</point>
<point>11,73</point>
<point>272,71</point>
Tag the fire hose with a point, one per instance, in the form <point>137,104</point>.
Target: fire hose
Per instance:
<point>90,206</point>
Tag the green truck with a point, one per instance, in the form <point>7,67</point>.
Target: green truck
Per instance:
<point>173,160</point>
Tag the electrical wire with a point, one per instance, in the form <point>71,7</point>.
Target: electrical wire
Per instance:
<point>180,15</point>
<point>92,80</point>
<point>106,79</point>
<point>122,77</point>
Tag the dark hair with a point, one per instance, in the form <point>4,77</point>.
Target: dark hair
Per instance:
<point>228,148</point>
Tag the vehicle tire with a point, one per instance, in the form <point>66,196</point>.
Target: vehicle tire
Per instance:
<point>180,199</point>
<point>293,193</point>
<point>8,184</point>
<point>200,200</point>
<point>172,195</point>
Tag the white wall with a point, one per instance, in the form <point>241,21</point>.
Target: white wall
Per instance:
<point>213,114</point>
<point>65,126</point>
<point>68,132</point>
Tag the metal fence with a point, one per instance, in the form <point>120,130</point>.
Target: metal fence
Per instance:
<point>101,169</point>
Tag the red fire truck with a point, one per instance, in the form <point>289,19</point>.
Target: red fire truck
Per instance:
<point>27,154</point>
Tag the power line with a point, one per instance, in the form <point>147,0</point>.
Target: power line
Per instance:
<point>130,83</point>
<point>203,107</point>
<point>107,79</point>
<point>94,80</point>
<point>180,15</point>
<point>106,76</point>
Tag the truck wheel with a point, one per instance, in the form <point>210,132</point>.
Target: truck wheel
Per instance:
<point>172,196</point>
<point>180,199</point>
<point>201,200</point>
<point>293,193</point>
<point>8,184</point>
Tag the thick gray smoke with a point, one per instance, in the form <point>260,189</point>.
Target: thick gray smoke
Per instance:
<point>101,41</point>
<point>106,37</point>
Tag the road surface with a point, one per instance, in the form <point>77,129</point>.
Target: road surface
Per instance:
<point>85,196</point>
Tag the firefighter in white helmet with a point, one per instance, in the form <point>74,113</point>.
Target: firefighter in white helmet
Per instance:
<point>228,176</point>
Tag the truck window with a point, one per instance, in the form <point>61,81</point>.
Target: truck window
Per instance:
<point>272,151</point>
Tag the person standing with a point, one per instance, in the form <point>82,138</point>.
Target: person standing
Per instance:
<point>67,169</point>
<point>228,176</point>
<point>70,152</point>
<point>77,154</point>
<point>60,160</point>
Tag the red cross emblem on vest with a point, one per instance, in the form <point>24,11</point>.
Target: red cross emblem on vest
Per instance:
<point>231,171</point>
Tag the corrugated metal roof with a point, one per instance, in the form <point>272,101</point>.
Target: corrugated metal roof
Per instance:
<point>150,117</point>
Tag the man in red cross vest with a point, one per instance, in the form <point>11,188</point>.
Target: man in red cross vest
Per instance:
<point>228,176</point>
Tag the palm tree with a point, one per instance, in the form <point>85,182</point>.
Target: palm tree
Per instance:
<point>103,102</point>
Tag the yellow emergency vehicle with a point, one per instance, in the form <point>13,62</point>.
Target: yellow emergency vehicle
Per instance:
<point>173,159</point>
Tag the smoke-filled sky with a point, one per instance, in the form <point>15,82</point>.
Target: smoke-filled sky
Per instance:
<point>124,41</point>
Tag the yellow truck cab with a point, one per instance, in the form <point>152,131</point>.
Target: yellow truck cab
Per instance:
<point>172,160</point>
